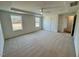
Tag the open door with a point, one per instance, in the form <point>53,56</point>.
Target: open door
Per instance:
<point>74,22</point>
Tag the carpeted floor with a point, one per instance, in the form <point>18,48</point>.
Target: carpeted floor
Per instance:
<point>40,44</point>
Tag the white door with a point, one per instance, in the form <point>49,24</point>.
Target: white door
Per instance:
<point>54,23</point>
<point>50,23</point>
<point>46,23</point>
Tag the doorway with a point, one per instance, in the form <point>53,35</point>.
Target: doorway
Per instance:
<point>66,24</point>
<point>70,20</point>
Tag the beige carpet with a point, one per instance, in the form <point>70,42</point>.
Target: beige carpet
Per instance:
<point>40,44</point>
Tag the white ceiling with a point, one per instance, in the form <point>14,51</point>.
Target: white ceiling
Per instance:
<point>59,7</point>
<point>36,6</point>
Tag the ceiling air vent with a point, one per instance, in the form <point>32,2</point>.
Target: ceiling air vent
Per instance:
<point>74,3</point>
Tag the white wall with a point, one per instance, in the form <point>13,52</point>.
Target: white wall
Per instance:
<point>50,23</point>
<point>1,41</point>
<point>76,35</point>
<point>28,25</point>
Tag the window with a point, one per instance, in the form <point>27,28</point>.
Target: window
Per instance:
<point>37,21</point>
<point>16,22</point>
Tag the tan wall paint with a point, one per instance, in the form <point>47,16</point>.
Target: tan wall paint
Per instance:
<point>70,22</point>
<point>62,23</point>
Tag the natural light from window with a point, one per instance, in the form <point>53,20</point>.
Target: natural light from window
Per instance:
<point>37,21</point>
<point>16,22</point>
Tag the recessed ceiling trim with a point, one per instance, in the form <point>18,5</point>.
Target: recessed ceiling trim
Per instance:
<point>28,12</point>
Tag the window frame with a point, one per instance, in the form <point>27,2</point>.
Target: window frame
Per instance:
<point>38,21</point>
<point>20,20</point>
